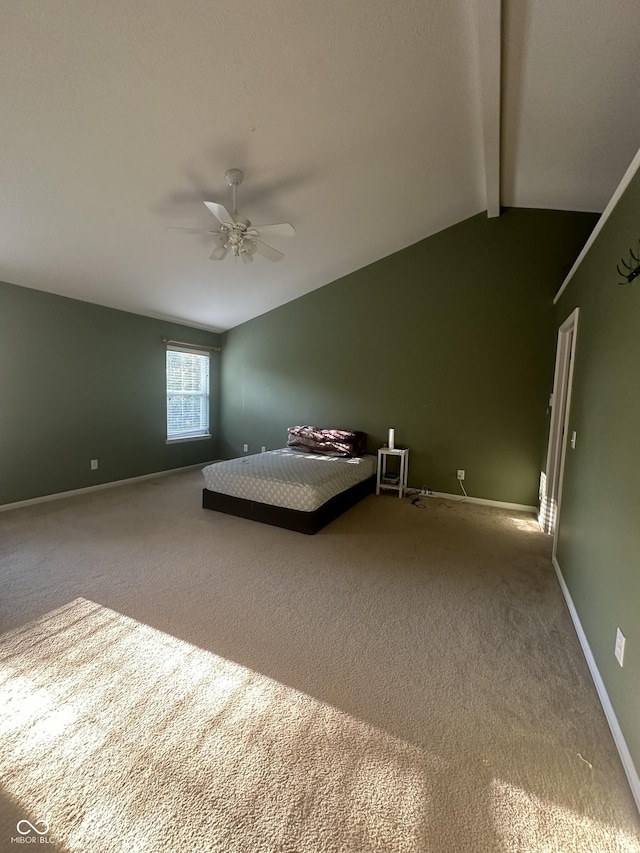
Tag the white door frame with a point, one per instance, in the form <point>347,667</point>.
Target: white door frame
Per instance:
<point>551,492</point>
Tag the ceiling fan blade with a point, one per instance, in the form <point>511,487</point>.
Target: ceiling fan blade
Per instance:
<point>282,229</point>
<point>191,230</point>
<point>219,211</point>
<point>268,251</point>
<point>219,253</point>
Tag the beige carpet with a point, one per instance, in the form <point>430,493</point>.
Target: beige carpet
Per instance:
<point>172,679</point>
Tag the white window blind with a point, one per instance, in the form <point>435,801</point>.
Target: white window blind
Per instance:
<point>187,393</point>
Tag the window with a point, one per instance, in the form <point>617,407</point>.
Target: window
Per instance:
<point>187,394</point>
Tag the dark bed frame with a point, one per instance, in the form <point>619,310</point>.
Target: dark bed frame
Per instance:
<point>291,519</point>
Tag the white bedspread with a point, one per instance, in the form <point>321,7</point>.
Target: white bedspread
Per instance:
<point>288,478</point>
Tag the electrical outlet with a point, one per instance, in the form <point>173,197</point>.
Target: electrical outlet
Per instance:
<point>94,464</point>
<point>264,449</point>
<point>460,473</point>
<point>245,447</point>
<point>619,650</point>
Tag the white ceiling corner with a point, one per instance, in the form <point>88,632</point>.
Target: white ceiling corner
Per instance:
<point>369,125</point>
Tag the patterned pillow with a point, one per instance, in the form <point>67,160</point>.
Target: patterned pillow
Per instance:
<point>331,442</point>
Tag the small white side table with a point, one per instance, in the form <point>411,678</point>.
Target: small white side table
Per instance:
<point>384,480</point>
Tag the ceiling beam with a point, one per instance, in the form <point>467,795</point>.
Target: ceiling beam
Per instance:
<point>488,17</point>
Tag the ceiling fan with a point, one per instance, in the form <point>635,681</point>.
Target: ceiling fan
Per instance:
<point>236,233</point>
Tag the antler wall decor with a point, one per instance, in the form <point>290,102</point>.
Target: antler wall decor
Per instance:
<point>632,271</point>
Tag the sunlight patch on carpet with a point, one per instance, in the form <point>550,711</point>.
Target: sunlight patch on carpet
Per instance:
<point>520,817</point>
<point>123,737</point>
<point>527,525</point>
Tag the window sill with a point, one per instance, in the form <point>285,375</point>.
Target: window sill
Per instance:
<point>188,438</point>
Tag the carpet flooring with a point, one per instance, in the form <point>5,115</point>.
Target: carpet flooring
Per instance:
<point>406,681</point>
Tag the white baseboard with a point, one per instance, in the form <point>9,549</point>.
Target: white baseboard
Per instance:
<point>618,737</point>
<point>484,502</point>
<point>58,495</point>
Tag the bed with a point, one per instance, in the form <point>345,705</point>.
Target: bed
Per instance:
<point>301,487</point>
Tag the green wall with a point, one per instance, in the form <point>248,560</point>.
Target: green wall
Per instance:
<point>450,341</point>
<point>81,382</point>
<point>598,547</point>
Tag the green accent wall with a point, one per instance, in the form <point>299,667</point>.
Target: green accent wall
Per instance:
<point>450,342</point>
<point>598,546</point>
<point>81,382</point>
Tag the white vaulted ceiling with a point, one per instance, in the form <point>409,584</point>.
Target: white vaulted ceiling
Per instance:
<point>367,124</point>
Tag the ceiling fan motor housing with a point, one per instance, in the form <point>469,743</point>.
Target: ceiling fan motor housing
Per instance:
<point>241,222</point>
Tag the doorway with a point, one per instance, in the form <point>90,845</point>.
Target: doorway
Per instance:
<point>551,481</point>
